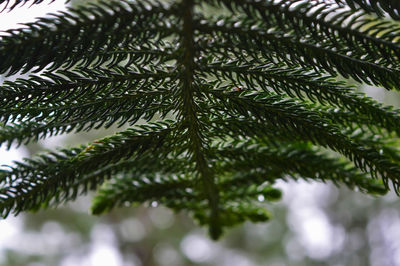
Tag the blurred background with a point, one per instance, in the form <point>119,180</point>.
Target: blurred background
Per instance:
<point>314,224</point>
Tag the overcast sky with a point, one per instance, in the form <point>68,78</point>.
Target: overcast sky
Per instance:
<point>27,14</point>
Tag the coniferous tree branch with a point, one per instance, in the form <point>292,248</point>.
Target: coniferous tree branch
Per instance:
<point>305,85</point>
<point>378,7</point>
<point>295,52</point>
<point>134,23</point>
<point>286,115</point>
<point>252,92</point>
<point>296,160</point>
<point>188,115</point>
<point>55,173</point>
<point>336,26</point>
<point>78,117</point>
<point>65,86</point>
<point>115,97</point>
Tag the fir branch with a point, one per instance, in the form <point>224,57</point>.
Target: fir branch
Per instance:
<point>278,160</point>
<point>69,31</point>
<point>294,52</point>
<point>66,86</point>
<point>344,30</point>
<point>80,116</point>
<point>140,190</point>
<point>188,115</point>
<point>250,91</point>
<point>306,85</point>
<point>45,177</point>
<point>379,7</point>
<point>146,54</point>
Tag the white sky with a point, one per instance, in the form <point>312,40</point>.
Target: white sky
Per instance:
<point>26,14</point>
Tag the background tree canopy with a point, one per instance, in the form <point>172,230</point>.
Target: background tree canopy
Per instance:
<point>232,103</point>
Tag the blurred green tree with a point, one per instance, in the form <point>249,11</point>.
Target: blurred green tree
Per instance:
<point>242,100</point>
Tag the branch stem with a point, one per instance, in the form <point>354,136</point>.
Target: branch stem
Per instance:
<point>191,121</point>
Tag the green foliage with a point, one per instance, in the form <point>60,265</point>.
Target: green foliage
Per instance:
<point>243,99</point>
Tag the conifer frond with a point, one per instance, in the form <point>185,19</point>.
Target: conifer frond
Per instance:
<point>51,177</point>
<point>306,85</point>
<point>188,113</point>
<point>58,103</point>
<point>379,7</point>
<point>253,95</point>
<point>292,159</point>
<point>69,31</point>
<point>293,52</point>
<point>296,121</point>
<point>320,22</point>
<point>141,189</point>
<point>81,83</point>
<point>81,116</point>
